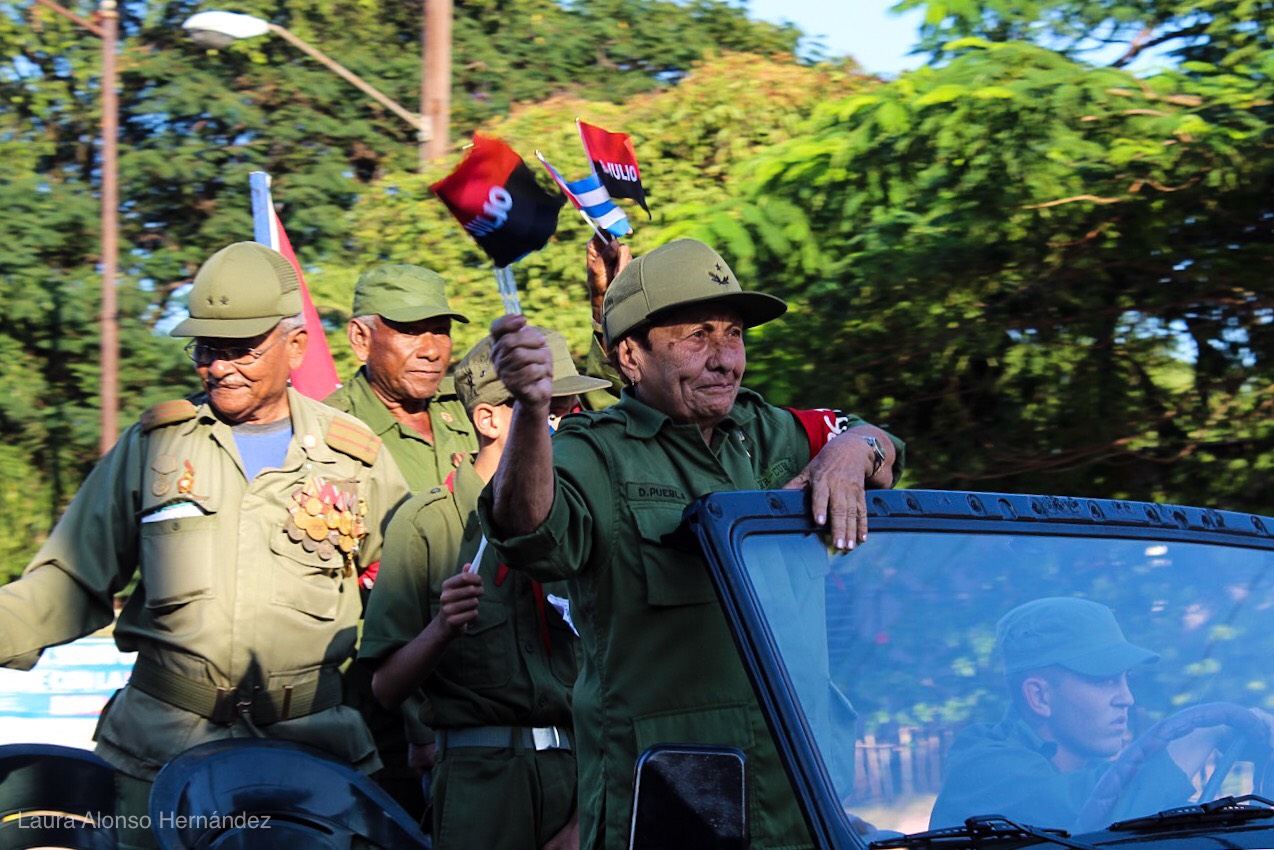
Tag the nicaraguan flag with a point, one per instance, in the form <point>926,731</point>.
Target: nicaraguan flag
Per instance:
<point>316,376</point>
<point>495,198</point>
<point>591,198</point>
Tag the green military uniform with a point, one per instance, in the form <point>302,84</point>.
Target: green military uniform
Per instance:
<point>1006,768</point>
<point>510,672</point>
<point>235,594</point>
<point>659,664</point>
<point>425,465</point>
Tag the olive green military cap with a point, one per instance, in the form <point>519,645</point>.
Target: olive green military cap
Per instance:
<point>680,274</point>
<point>477,383</point>
<point>403,293</point>
<point>242,291</point>
<point>1077,634</point>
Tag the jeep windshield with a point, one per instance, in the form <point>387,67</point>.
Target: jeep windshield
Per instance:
<point>1063,663</point>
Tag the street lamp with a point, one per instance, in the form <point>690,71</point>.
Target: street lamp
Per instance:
<point>108,31</point>
<point>218,29</point>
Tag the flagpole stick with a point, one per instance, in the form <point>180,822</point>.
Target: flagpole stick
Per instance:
<point>508,289</point>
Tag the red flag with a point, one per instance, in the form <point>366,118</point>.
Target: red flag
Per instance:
<point>495,198</point>
<point>614,161</point>
<point>316,376</point>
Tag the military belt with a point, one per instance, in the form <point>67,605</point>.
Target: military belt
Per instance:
<point>504,737</point>
<point>226,705</point>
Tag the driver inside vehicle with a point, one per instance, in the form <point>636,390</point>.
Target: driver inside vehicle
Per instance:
<point>1066,664</point>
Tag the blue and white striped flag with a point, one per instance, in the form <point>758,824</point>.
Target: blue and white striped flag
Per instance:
<point>591,198</point>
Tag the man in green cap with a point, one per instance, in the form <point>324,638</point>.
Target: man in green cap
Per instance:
<point>401,333</point>
<point>1066,664</point>
<point>494,655</point>
<point>249,510</point>
<point>601,505</point>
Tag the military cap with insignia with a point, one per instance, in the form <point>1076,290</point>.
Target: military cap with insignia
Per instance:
<point>242,291</point>
<point>680,274</point>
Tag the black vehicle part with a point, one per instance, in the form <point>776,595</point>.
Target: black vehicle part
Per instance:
<point>1224,811</point>
<point>1095,813</point>
<point>54,796</point>
<point>249,793</point>
<point>978,832</point>
<point>688,797</point>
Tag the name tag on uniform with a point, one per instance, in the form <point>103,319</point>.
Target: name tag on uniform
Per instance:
<point>180,510</point>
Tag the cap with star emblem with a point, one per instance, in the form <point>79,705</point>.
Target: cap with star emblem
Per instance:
<point>476,380</point>
<point>679,274</point>
<point>242,291</point>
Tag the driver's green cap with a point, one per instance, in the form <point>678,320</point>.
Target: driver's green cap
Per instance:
<point>680,274</point>
<point>242,291</point>
<point>403,293</point>
<point>1077,634</point>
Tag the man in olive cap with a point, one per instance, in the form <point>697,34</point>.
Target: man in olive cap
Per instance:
<point>1066,664</point>
<point>494,657</point>
<point>401,333</point>
<point>601,503</point>
<point>249,510</point>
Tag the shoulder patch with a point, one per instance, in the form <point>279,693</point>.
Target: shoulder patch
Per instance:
<point>351,437</point>
<point>167,413</point>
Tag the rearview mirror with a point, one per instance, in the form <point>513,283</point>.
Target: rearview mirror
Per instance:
<point>691,797</point>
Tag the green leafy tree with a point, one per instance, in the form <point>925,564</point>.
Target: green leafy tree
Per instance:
<point>1050,276</point>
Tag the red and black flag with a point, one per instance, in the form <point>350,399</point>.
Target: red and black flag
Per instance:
<point>614,161</point>
<point>494,196</point>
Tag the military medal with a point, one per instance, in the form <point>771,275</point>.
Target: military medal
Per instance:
<point>164,466</point>
<point>186,482</point>
<point>327,518</point>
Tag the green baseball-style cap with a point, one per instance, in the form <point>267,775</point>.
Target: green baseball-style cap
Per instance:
<point>1077,634</point>
<point>242,291</point>
<point>679,274</point>
<point>476,380</point>
<point>403,293</point>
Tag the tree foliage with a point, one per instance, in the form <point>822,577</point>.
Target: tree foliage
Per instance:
<point>1052,277</point>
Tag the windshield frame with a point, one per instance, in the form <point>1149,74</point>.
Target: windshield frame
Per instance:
<point>722,521</point>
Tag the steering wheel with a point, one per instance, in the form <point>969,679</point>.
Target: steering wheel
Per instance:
<point>1250,730</point>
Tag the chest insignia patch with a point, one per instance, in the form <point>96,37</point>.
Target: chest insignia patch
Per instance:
<point>327,518</point>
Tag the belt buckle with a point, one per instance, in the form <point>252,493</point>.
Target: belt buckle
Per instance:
<point>546,738</point>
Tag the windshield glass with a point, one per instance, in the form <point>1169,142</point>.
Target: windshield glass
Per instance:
<point>945,675</point>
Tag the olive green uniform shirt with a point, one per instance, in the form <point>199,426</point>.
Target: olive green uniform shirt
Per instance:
<point>424,465</point>
<point>659,663</point>
<point>514,666</point>
<point>226,596</point>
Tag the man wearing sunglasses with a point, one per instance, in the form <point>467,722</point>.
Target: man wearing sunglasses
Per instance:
<point>249,510</point>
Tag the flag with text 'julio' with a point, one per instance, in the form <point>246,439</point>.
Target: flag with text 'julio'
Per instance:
<point>614,162</point>
<point>316,376</point>
<point>591,198</point>
<point>494,196</point>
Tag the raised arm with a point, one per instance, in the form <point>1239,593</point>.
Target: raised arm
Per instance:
<point>523,483</point>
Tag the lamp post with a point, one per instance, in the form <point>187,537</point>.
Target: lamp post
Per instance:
<point>217,29</point>
<point>108,31</point>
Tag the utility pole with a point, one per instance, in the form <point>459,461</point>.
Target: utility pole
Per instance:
<point>435,79</point>
<point>109,320</point>
<point>108,389</point>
